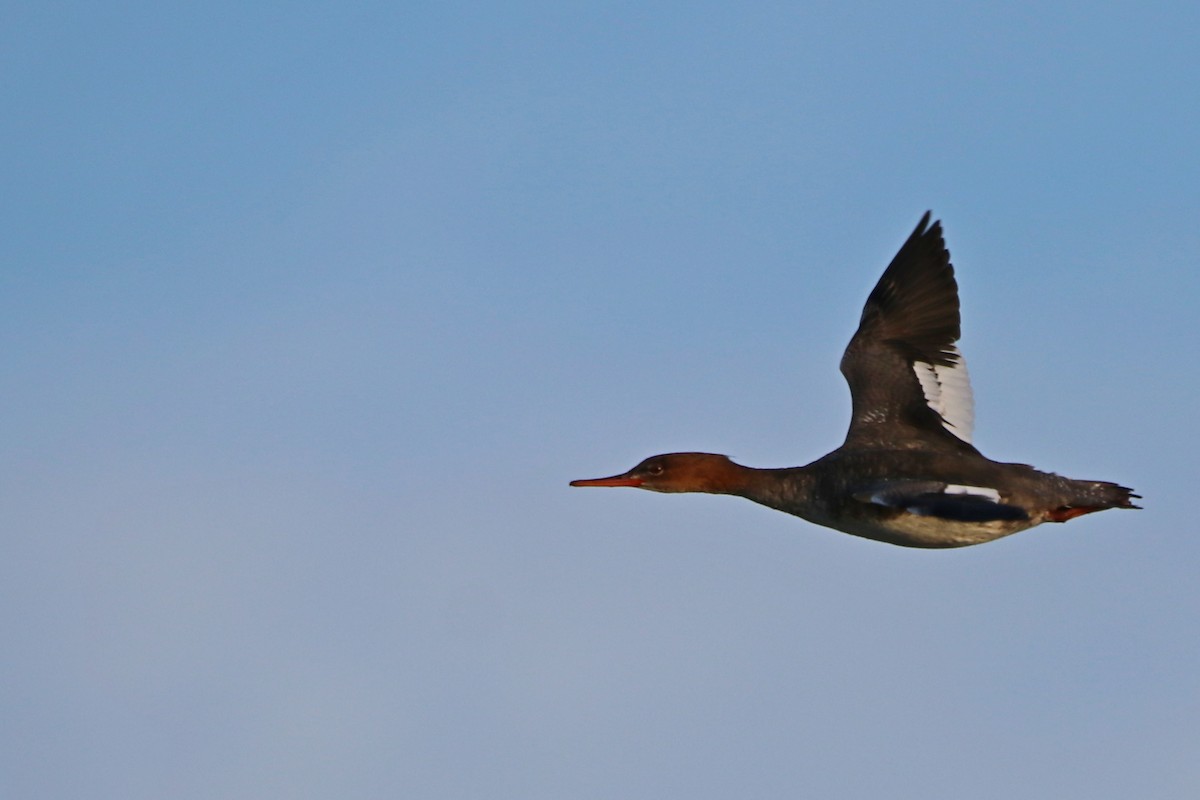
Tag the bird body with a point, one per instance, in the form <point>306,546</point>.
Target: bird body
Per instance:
<point>907,473</point>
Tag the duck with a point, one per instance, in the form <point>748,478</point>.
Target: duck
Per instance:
<point>907,473</point>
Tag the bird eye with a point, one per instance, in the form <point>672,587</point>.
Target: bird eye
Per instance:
<point>655,469</point>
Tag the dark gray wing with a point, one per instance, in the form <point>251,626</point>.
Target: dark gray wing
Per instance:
<point>908,381</point>
<point>941,500</point>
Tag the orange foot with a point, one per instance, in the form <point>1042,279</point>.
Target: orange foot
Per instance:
<point>1064,513</point>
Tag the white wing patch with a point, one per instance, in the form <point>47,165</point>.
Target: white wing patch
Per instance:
<point>947,390</point>
<point>977,491</point>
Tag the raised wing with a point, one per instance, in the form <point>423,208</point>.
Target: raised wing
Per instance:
<point>907,378</point>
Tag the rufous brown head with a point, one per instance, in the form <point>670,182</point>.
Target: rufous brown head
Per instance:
<point>675,472</point>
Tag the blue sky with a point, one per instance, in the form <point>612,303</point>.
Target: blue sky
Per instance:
<point>310,311</point>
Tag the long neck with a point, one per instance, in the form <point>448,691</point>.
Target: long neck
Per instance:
<point>777,488</point>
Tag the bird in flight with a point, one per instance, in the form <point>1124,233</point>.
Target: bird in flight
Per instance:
<point>907,473</point>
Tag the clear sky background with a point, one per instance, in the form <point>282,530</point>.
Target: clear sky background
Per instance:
<point>310,311</point>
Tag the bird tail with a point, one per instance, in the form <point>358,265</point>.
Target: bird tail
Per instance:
<point>1094,496</point>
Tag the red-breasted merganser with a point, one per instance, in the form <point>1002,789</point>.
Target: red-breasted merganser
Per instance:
<point>907,473</point>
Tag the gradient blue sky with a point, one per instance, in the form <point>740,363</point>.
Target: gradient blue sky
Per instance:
<point>310,311</point>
